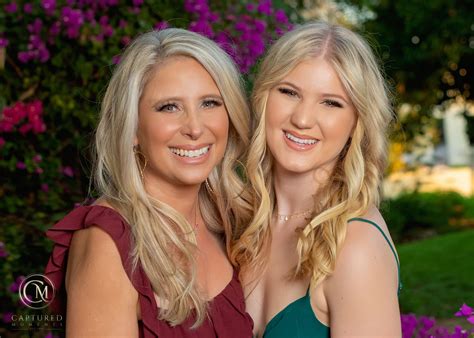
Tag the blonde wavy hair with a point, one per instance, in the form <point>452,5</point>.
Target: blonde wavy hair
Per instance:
<point>355,182</point>
<point>158,229</point>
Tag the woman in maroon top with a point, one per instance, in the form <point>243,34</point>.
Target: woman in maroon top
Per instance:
<point>149,257</point>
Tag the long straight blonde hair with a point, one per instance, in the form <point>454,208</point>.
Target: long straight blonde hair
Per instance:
<point>157,228</point>
<point>354,184</point>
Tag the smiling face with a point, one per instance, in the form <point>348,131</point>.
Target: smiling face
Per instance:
<point>309,118</point>
<point>183,123</point>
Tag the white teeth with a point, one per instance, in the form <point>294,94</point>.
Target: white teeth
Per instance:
<point>300,140</point>
<point>190,153</point>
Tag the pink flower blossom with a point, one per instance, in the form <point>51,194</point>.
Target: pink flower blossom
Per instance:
<point>37,158</point>
<point>265,7</point>
<point>3,250</point>
<point>27,8</point>
<point>464,310</point>
<point>280,16</point>
<point>49,6</point>
<point>116,59</point>
<point>161,25</point>
<point>44,187</point>
<point>7,317</point>
<point>15,286</point>
<point>20,165</point>
<point>67,171</point>
<point>11,7</point>
<point>3,42</point>
<point>2,142</point>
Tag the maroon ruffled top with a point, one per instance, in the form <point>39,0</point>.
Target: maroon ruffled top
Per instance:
<point>226,317</point>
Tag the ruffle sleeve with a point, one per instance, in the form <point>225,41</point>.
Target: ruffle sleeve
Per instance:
<point>227,315</point>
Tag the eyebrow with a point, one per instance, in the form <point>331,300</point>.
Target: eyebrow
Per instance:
<point>177,98</point>
<point>325,95</point>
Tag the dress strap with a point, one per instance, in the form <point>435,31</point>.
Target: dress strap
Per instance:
<point>386,239</point>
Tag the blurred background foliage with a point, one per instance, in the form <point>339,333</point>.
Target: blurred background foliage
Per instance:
<point>56,58</point>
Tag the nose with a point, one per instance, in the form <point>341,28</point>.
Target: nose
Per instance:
<point>304,115</point>
<point>192,127</point>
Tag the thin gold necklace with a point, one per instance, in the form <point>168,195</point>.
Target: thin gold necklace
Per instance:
<point>286,218</point>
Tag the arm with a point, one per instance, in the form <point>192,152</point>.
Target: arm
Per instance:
<point>362,292</point>
<point>101,300</point>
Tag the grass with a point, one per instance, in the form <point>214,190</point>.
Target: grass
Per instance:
<point>437,274</point>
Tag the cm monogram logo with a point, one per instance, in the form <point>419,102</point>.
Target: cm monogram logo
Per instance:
<point>36,291</point>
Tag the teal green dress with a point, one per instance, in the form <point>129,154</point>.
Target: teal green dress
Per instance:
<point>297,319</point>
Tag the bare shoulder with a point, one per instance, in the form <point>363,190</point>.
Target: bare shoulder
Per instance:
<point>367,250</point>
<point>369,229</point>
<point>362,291</point>
<point>99,291</point>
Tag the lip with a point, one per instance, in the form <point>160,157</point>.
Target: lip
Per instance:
<point>301,136</point>
<point>296,146</point>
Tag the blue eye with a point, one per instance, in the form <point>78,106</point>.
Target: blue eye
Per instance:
<point>287,91</point>
<point>211,103</point>
<point>167,108</point>
<point>332,103</point>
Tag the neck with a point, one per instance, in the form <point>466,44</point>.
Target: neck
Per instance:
<point>184,199</point>
<point>294,192</point>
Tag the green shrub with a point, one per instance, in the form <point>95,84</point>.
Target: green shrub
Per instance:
<point>412,215</point>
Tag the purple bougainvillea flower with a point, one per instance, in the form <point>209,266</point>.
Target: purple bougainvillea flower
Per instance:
<point>15,286</point>
<point>280,16</point>
<point>265,7</point>
<point>7,317</point>
<point>11,7</point>
<point>161,25</point>
<point>3,250</point>
<point>55,28</point>
<point>122,23</point>
<point>49,6</point>
<point>37,158</point>
<point>250,7</point>
<point>35,26</point>
<point>27,8</point>
<point>67,171</point>
<point>125,40</point>
<point>44,187</point>
<point>464,310</point>
<point>470,319</point>
<point>260,26</point>
<point>137,3</point>
<point>21,165</point>
<point>2,141</point>
<point>116,59</point>
<point>3,42</point>
<point>202,27</point>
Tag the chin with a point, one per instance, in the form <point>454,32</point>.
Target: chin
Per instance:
<point>296,166</point>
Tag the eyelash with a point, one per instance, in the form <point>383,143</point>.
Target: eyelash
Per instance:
<point>214,103</point>
<point>332,103</point>
<point>163,107</point>
<point>292,93</point>
<point>288,92</point>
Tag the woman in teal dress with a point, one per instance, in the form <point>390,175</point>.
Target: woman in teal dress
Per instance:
<point>317,260</point>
